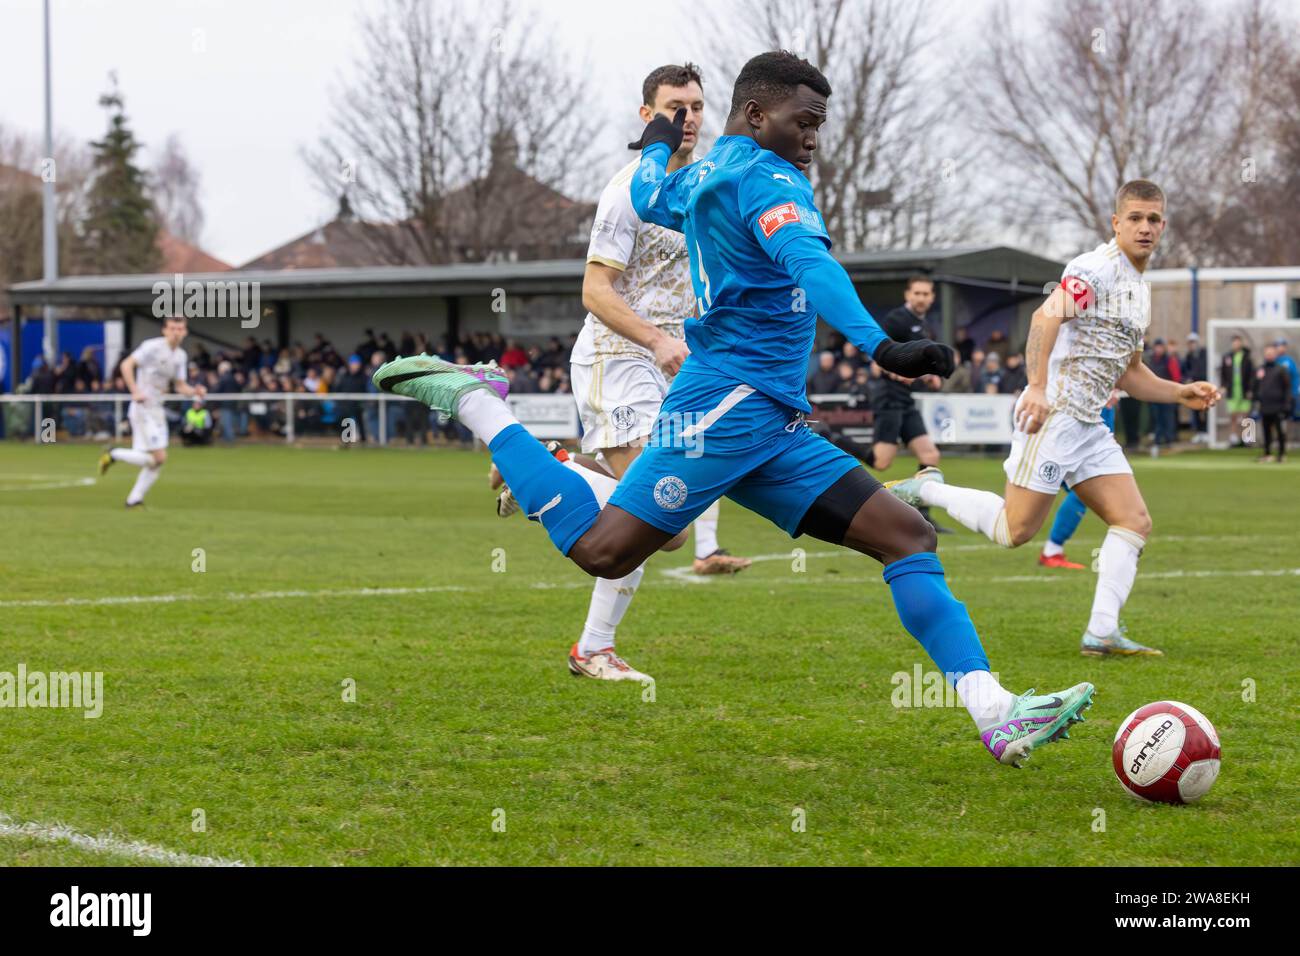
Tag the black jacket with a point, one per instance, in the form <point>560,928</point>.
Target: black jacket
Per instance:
<point>1247,373</point>
<point>1273,389</point>
<point>1013,380</point>
<point>823,381</point>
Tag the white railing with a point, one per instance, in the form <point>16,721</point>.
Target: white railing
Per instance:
<point>120,400</point>
<point>545,415</point>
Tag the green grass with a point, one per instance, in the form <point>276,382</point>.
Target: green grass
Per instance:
<point>773,689</point>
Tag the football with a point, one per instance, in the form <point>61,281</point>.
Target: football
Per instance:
<point>1166,752</point>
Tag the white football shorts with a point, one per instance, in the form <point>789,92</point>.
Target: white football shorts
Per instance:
<point>148,426</point>
<point>618,401</point>
<point>1063,450</point>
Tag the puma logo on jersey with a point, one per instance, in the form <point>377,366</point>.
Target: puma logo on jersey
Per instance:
<point>783,176</point>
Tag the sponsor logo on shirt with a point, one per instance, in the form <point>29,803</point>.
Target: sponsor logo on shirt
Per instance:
<point>776,217</point>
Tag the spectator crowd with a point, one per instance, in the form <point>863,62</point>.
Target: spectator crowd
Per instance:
<point>1269,390</point>
<point>318,368</point>
<point>840,369</point>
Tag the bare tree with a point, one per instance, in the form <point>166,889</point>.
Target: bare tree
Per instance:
<point>883,176</point>
<point>22,173</point>
<point>457,132</point>
<point>1250,218</point>
<point>1101,91</point>
<point>174,188</point>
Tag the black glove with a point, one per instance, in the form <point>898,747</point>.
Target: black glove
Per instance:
<point>914,359</point>
<point>662,130</point>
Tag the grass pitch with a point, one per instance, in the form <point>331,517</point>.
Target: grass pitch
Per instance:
<point>771,738</point>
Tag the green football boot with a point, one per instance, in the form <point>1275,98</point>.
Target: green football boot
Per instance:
<point>1115,644</point>
<point>909,489</point>
<point>437,383</point>
<point>1035,721</point>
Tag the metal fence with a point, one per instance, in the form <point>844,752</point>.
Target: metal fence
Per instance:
<point>267,416</point>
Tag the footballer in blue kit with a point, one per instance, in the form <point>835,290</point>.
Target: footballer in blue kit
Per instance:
<point>732,422</point>
<point>751,224</point>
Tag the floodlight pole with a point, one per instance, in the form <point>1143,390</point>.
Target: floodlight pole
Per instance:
<point>49,173</point>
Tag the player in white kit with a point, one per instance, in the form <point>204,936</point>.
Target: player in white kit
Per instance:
<point>149,373</point>
<point>637,286</point>
<point>1085,340</point>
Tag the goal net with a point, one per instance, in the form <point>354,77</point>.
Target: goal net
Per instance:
<point>1218,344</point>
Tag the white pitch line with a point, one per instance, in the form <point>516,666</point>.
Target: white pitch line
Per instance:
<point>678,575</point>
<point>46,485</point>
<point>685,575</point>
<point>1144,576</point>
<point>229,596</point>
<point>107,844</point>
<point>278,595</point>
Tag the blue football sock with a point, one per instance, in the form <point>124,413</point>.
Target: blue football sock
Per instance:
<point>933,616</point>
<point>1068,516</point>
<point>546,491</point>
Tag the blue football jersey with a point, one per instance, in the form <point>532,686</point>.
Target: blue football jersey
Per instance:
<point>738,207</point>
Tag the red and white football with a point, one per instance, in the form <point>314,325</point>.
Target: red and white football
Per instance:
<point>1166,752</point>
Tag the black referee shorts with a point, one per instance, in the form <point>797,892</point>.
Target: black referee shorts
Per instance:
<point>893,424</point>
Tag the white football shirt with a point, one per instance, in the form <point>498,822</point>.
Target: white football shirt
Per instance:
<point>156,365</point>
<point>656,273</point>
<point>1113,310</point>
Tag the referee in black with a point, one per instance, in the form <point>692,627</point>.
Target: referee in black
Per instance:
<point>896,418</point>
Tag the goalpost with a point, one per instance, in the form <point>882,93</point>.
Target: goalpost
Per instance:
<point>1218,343</point>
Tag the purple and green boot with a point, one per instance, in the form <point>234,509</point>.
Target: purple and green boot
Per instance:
<point>1034,721</point>
<point>437,383</point>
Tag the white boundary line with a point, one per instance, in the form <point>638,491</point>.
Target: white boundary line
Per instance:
<point>1142,576</point>
<point>47,482</point>
<point>685,575</point>
<point>232,596</point>
<point>107,844</point>
<point>680,575</point>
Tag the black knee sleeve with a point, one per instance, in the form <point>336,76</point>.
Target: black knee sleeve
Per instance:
<point>828,518</point>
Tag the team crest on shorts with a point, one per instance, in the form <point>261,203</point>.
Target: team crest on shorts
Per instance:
<point>1050,472</point>
<point>624,416</point>
<point>670,493</point>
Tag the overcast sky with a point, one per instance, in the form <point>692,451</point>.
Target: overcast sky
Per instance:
<point>245,84</point>
<point>258,91</point>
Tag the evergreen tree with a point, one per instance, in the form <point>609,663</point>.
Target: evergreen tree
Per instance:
<point>121,224</point>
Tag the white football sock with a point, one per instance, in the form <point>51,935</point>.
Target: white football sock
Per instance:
<point>602,486</point>
<point>981,511</point>
<point>132,457</point>
<point>483,413</point>
<point>609,602</point>
<point>1052,549</point>
<point>985,699</point>
<point>1117,566</point>
<point>143,482</point>
<point>706,530</point>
